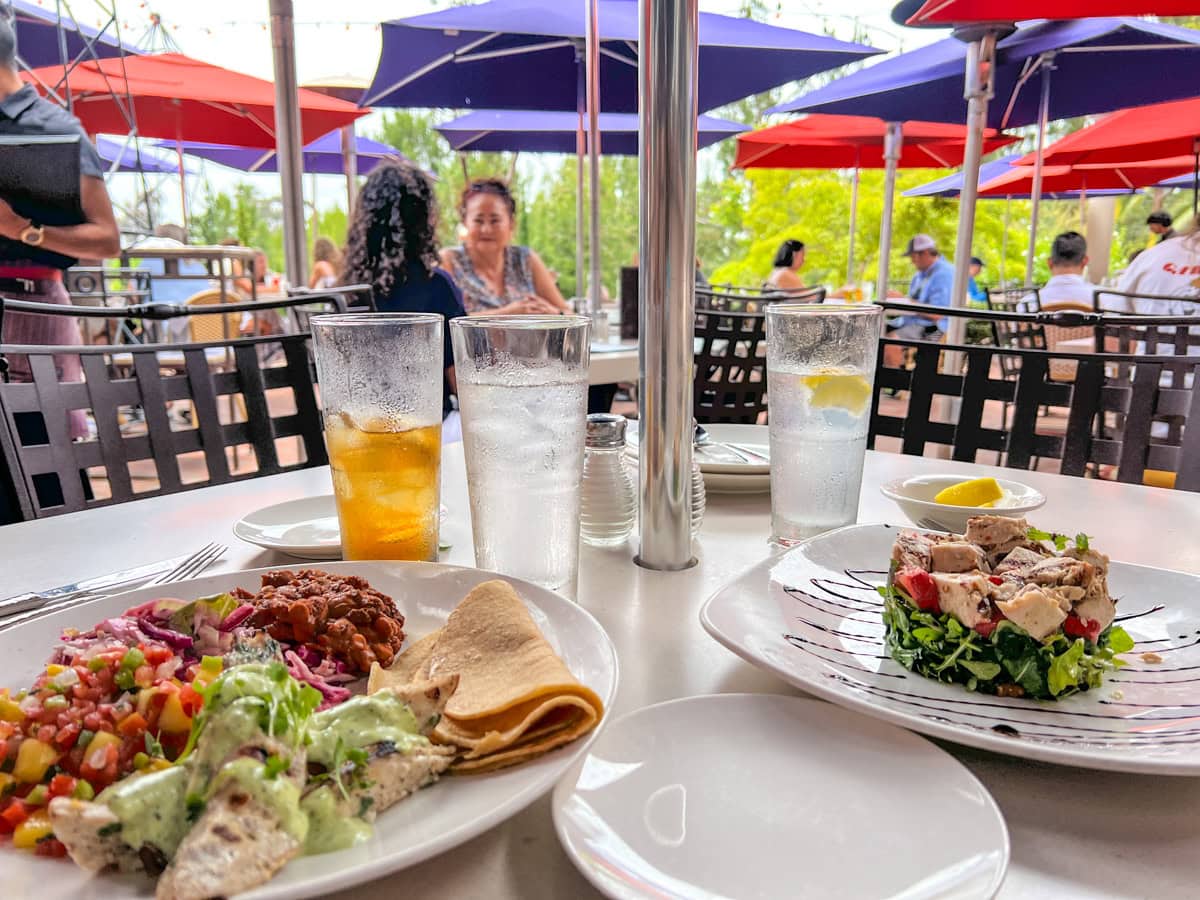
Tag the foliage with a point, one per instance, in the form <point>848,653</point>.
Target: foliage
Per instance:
<point>252,218</point>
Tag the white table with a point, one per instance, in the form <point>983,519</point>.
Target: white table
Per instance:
<point>1075,833</point>
<point>617,362</point>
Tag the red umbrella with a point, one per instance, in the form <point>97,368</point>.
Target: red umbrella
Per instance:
<point>961,12</point>
<point>855,142</point>
<point>821,141</point>
<point>183,99</point>
<point>1063,179</point>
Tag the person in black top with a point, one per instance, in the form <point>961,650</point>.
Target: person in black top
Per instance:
<point>391,245</point>
<point>1159,222</point>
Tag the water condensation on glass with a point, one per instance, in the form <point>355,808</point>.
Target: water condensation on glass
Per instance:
<point>820,369</point>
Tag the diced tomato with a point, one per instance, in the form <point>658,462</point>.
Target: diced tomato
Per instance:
<point>62,785</point>
<point>132,725</point>
<point>995,579</point>
<point>1075,626</point>
<point>918,584</point>
<point>52,847</point>
<point>14,813</point>
<point>156,656</point>
<point>986,626</point>
<point>100,766</point>
<point>191,699</point>
<point>67,735</point>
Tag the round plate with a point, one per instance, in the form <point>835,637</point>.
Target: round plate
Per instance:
<point>755,795</point>
<point>755,438</point>
<point>430,822</point>
<point>813,617</point>
<point>915,496</point>
<point>306,528</point>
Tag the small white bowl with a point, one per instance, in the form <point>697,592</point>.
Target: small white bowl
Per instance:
<point>915,496</point>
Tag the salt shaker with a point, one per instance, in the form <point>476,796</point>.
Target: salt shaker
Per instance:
<point>608,499</point>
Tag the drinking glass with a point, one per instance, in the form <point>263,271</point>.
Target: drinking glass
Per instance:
<point>522,391</point>
<point>820,371</point>
<point>381,391</point>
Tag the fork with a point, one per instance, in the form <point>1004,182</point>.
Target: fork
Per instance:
<point>189,567</point>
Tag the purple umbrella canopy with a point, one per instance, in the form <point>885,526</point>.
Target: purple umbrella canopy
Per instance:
<point>951,185</point>
<point>1098,65</point>
<point>121,157</point>
<point>542,131</point>
<point>322,157</point>
<point>37,36</point>
<point>527,54</point>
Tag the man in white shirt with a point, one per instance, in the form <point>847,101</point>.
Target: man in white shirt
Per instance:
<point>1068,259</point>
<point>1166,270</point>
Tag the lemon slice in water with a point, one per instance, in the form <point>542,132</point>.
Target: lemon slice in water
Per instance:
<point>976,492</point>
<point>849,392</point>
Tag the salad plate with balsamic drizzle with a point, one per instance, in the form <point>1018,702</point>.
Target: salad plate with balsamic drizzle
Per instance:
<point>1008,637</point>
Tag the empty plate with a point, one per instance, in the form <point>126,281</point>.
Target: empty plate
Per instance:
<point>757,795</point>
<point>306,528</point>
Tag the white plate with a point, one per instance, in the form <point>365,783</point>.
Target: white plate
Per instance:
<point>307,528</point>
<point>431,822</point>
<point>756,795</point>
<point>812,617</point>
<point>734,476</point>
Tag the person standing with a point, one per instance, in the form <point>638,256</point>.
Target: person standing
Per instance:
<point>494,275</point>
<point>976,296</point>
<point>1159,223</point>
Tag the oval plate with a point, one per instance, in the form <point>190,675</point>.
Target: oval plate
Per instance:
<point>756,795</point>
<point>432,821</point>
<point>812,617</point>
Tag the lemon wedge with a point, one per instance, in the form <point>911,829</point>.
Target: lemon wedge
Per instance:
<point>976,492</point>
<point>849,392</point>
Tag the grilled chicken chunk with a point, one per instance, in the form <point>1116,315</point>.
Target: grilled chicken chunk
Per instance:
<point>91,833</point>
<point>1035,609</point>
<point>1062,571</point>
<point>957,556</point>
<point>1017,563</point>
<point>964,596</point>
<point>912,550</point>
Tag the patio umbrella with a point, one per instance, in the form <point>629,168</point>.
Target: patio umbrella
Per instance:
<point>1140,134</point>
<point>322,157</point>
<point>859,142</point>
<point>122,156</point>
<point>1074,60</point>
<point>38,36</point>
<point>959,12</point>
<point>531,54</point>
<point>1001,178</point>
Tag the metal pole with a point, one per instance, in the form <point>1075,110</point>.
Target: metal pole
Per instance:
<point>981,58</point>
<point>1047,64</point>
<point>1004,242</point>
<point>853,226</point>
<point>667,63</point>
<point>1196,179</point>
<point>593,105</point>
<point>893,142</point>
<point>288,149</point>
<point>183,204</point>
<point>580,152</point>
<point>349,167</point>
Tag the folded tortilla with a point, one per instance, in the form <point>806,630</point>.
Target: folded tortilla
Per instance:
<point>515,700</point>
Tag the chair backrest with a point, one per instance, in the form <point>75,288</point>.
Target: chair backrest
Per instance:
<point>1094,418</point>
<point>753,300</point>
<point>211,327</point>
<point>730,379</point>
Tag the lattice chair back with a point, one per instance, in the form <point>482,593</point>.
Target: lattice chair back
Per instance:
<point>730,381</point>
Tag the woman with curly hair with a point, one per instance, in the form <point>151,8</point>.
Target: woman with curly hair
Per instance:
<point>495,276</point>
<point>391,246</point>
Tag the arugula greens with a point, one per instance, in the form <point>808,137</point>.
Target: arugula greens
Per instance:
<point>1060,541</point>
<point>941,648</point>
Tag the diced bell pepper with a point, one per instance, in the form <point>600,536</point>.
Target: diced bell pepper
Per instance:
<point>35,828</point>
<point>33,759</point>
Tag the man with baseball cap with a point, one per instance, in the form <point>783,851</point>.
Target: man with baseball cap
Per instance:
<point>931,284</point>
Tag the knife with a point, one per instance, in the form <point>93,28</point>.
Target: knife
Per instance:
<point>31,600</point>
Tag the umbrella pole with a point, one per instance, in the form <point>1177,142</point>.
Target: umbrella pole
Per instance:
<point>853,226</point>
<point>288,142</point>
<point>893,141</point>
<point>1004,241</point>
<point>593,104</point>
<point>1196,180</point>
<point>350,167</point>
<point>580,151</point>
<point>981,59</point>
<point>667,64</point>
<point>1043,118</point>
<point>183,204</point>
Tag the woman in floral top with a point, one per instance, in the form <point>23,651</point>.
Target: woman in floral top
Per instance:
<point>494,275</point>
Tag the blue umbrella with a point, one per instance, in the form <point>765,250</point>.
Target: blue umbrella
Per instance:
<point>123,157</point>
<point>322,157</point>
<point>540,131</point>
<point>951,185</point>
<point>37,37</point>
<point>1083,67</point>
<point>525,54</point>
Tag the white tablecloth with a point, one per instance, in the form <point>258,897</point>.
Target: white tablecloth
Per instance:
<point>1075,833</point>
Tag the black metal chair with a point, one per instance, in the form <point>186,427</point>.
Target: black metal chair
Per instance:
<point>753,300</point>
<point>50,471</point>
<point>1093,396</point>
<point>730,380</point>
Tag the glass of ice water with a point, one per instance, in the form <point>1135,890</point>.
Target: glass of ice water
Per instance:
<point>522,392</point>
<point>820,370</point>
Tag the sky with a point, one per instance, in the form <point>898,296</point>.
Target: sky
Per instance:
<point>236,34</point>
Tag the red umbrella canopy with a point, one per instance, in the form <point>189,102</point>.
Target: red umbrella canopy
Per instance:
<point>179,98</point>
<point>1065,179</point>
<point>1143,133</point>
<point>824,141</point>
<point>962,12</point>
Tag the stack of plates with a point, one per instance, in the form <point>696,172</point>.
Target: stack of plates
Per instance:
<point>735,460</point>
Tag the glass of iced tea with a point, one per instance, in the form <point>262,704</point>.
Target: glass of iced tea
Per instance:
<point>381,391</point>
